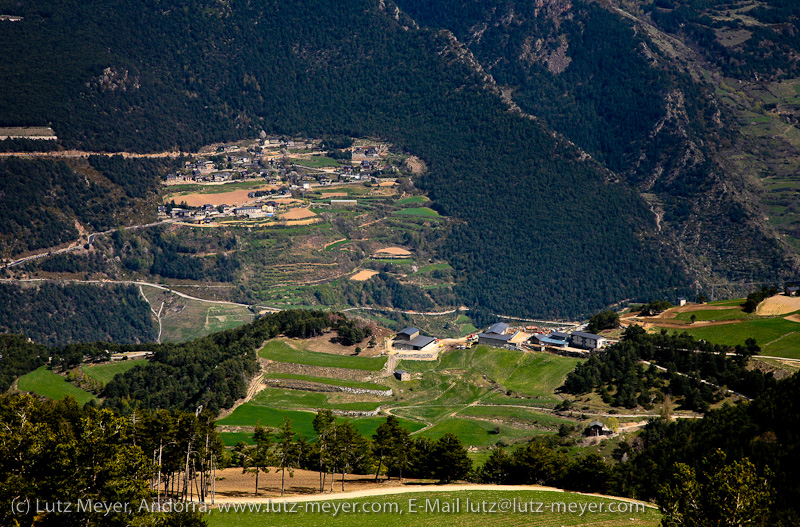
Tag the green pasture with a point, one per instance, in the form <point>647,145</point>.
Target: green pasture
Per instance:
<point>103,373</point>
<point>419,211</point>
<point>412,199</point>
<point>44,382</point>
<point>328,381</point>
<point>280,351</point>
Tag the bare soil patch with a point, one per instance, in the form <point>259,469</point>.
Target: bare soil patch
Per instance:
<point>232,483</point>
<point>394,251</point>
<point>234,197</point>
<point>298,214</point>
<point>779,305</point>
<point>323,344</point>
<point>415,164</point>
<point>364,275</point>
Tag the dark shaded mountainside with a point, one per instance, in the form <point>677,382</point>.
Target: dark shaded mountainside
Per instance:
<point>630,198</point>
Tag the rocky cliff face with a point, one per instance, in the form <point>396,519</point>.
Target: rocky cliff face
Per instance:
<point>643,101</point>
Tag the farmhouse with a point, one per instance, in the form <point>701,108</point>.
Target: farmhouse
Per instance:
<point>791,289</point>
<point>410,339</point>
<point>496,336</point>
<point>596,428</point>
<point>588,341</point>
<point>246,211</point>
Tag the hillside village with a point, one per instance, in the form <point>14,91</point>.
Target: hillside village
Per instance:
<point>287,167</point>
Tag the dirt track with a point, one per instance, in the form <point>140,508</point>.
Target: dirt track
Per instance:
<point>304,486</point>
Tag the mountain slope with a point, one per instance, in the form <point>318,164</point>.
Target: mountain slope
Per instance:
<point>546,231</point>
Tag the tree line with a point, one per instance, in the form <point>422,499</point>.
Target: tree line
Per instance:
<point>339,448</point>
<point>620,377</point>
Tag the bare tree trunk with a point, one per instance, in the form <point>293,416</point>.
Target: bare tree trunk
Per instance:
<point>378,470</point>
<point>283,471</point>
<point>257,471</point>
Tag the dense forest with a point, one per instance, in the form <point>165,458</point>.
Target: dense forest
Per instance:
<point>147,89</point>
<point>211,371</point>
<point>688,366</point>
<point>19,356</point>
<point>58,452</point>
<point>55,314</point>
<point>41,200</point>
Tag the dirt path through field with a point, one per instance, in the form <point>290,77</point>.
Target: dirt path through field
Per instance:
<point>417,488</point>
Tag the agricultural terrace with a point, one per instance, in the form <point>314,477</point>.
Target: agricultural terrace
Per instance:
<point>483,395</point>
<point>775,325</point>
<point>282,351</point>
<point>420,517</point>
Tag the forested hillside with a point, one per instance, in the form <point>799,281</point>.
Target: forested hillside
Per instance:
<point>44,203</point>
<point>546,230</point>
<point>56,315</point>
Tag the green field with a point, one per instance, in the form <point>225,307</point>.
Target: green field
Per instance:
<point>329,381</point>
<point>336,245</point>
<point>299,400</point>
<point>280,351</point>
<point>435,267</point>
<point>44,382</point>
<point>419,211</point>
<point>103,373</point>
<point>467,329</point>
<point>315,161</point>
<point>788,346</point>
<point>766,331</point>
<point>302,421</point>
<point>731,302</point>
<point>409,510</point>
<point>412,199</point>
<point>712,314</point>
<point>479,433</point>
<point>531,374</point>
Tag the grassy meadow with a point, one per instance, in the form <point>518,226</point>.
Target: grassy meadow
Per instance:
<point>44,382</point>
<point>103,373</point>
<point>280,351</point>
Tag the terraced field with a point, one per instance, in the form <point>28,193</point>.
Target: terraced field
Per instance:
<point>280,351</point>
<point>483,395</point>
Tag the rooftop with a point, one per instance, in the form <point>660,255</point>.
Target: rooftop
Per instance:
<point>499,328</point>
<point>587,335</point>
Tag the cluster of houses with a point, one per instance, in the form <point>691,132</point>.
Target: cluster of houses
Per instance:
<point>268,159</point>
<point>209,212</point>
<point>576,343</point>
<point>410,339</point>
